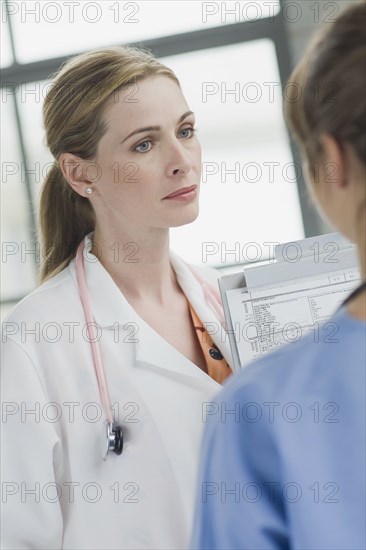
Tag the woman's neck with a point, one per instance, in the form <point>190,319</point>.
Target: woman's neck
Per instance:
<point>357,307</point>
<point>139,266</point>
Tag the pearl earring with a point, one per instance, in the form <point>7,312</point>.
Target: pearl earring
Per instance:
<point>89,190</point>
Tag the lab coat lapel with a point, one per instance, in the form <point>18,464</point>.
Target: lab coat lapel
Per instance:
<point>154,352</point>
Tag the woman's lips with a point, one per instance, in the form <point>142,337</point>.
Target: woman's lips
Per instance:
<point>187,193</point>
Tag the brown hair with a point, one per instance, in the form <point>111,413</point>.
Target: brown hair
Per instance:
<point>326,93</point>
<point>73,120</point>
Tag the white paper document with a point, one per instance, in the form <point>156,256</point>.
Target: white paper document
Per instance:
<point>277,303</point>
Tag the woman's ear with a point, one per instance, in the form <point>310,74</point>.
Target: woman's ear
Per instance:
<point>333,163</point>
<point>75,171</point>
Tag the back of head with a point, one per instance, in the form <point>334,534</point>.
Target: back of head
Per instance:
<point>73,120</point>
<point>327,90</point>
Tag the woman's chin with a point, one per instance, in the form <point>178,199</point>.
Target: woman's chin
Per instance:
<point>184,218</point>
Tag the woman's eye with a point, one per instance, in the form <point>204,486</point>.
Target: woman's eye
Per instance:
<point>143,146</point>
<point>147,144</point>
<point>190,131</point>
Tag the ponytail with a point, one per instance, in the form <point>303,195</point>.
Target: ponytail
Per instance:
<point>65,218</point>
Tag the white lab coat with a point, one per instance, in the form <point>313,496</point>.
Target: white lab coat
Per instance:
<point>57,490</point>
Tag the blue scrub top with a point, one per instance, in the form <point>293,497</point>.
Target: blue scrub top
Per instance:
<point>283,454</point>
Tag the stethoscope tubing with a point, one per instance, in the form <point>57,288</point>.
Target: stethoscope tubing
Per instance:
<point>91,327</point>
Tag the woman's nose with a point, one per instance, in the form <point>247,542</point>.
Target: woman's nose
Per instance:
<point>180,163</point>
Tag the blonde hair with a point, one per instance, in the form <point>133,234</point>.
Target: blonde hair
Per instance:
<point>326,93</point>
<point>73,121</point>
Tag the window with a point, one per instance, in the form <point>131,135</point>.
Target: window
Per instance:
<point>6,56</point>
<point>18,260</point>
<point>70,27</point>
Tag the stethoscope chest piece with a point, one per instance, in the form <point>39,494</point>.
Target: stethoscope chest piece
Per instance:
<point>114,440</point>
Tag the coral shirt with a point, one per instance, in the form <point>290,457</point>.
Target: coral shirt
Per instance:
<point>217,367</point>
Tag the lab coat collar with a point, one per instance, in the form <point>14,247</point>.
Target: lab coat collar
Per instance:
<point>110,308</point>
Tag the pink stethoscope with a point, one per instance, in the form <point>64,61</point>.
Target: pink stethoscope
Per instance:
<point>114,433</point>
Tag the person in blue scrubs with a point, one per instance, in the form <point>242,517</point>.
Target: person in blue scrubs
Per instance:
<point>283,455</point>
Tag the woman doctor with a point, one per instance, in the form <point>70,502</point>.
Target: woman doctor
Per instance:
<point>288,469</point>
<point>121,328</point>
